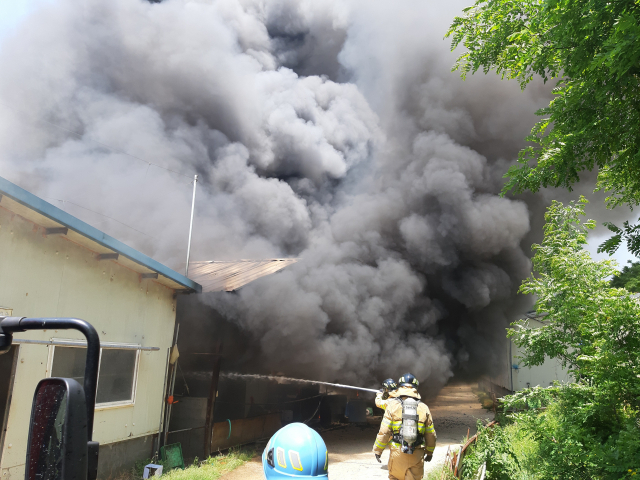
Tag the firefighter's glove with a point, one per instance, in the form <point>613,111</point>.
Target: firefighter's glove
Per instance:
<point>378,458</point>
<point>428,457</point>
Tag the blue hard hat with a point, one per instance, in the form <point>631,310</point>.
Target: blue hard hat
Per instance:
<point>295,451</point>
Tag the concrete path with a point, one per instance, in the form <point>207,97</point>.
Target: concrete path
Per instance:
<point>455,411</point>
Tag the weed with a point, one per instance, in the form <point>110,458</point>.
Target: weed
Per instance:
<point>209,469</point>
<point>439,474</point>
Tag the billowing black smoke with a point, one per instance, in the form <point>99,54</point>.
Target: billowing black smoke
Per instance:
<point>332,131</point>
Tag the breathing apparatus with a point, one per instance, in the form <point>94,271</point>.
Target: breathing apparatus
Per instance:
<point>409,428</point>
<point>408,437</point>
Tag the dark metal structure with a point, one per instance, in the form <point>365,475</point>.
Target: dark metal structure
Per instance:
<point>11,325</point>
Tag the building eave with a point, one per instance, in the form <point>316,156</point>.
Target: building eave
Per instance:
<point>36,204</point>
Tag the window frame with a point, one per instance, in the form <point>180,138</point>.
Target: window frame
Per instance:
<point>74,343</point>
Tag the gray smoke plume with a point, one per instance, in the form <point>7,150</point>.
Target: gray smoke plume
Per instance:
<point>332,131</point>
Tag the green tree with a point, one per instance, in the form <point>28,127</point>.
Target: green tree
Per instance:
<point>591,49</point>
<point>594,329</point>
<point>591,426</point>
<point>628,278</point>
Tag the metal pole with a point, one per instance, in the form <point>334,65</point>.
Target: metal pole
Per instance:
<point>171,389</point>
<point>170,407</point>
<point>164,403</point>
<point>193,206</point>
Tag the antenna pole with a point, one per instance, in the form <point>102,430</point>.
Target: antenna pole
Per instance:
<point>193,206</point>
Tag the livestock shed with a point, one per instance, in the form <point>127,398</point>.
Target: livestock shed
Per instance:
<point>210,412</point>
<point>54,265</point>
<point>213,410</point>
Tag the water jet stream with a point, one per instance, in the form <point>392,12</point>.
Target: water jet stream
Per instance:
<point>278,378</point>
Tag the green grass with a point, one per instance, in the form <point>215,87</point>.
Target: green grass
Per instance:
<point>210,469</point>
<point>436,474</point>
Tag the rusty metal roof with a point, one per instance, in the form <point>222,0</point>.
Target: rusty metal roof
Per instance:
<point>218,276</point>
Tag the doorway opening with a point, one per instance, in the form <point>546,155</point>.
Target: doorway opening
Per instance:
<point>8,363</point>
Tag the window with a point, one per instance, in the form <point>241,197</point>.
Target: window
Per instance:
<point>116,375</point>
<point>69,363</point>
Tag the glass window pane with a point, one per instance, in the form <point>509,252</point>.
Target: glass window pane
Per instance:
<point>68,362</point>
<point>117,372</point>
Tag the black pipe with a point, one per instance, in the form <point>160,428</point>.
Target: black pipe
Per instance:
<point>11,325</point>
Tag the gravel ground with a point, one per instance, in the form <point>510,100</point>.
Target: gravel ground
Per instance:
<point>455,412</point>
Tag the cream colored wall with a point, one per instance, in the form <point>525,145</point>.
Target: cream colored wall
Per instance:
<point>543,375</point>
<point>53,277</point>
<point>515,379</point>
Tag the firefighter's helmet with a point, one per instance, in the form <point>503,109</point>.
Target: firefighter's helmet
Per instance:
<point>295,451</point>
<point>408,380</point>
<point>389,384</point>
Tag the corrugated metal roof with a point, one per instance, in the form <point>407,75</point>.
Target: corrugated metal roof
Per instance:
<point>33,208</point>
<point>218,276</point>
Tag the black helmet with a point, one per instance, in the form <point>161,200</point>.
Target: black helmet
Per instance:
<point>389,384</point>
<point>408,380</point>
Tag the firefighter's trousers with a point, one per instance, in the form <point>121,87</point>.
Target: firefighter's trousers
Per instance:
<point>405,466</point>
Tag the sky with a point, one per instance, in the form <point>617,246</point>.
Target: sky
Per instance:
<point>622,256</point>
<point>12,12</point>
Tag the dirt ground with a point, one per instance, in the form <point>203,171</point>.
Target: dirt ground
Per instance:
<point>455,411</point>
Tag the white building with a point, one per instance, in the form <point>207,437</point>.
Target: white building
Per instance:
<point>514,376</point>
<point>54,265</point>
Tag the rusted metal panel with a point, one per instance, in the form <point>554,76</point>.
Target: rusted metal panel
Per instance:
<point>217,276</point>
<point>232,433</point>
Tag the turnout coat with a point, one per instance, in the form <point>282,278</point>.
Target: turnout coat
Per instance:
<point>401,464</point>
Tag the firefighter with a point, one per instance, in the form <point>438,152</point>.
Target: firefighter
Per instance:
<point>406,461</point>
<point>382,397</point>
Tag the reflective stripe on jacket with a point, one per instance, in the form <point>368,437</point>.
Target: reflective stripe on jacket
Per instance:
<point>392,421</point>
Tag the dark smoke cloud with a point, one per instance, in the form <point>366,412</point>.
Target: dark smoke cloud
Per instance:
<point>333,131</point>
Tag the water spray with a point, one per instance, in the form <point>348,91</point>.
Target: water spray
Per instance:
<point>294,380</point>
